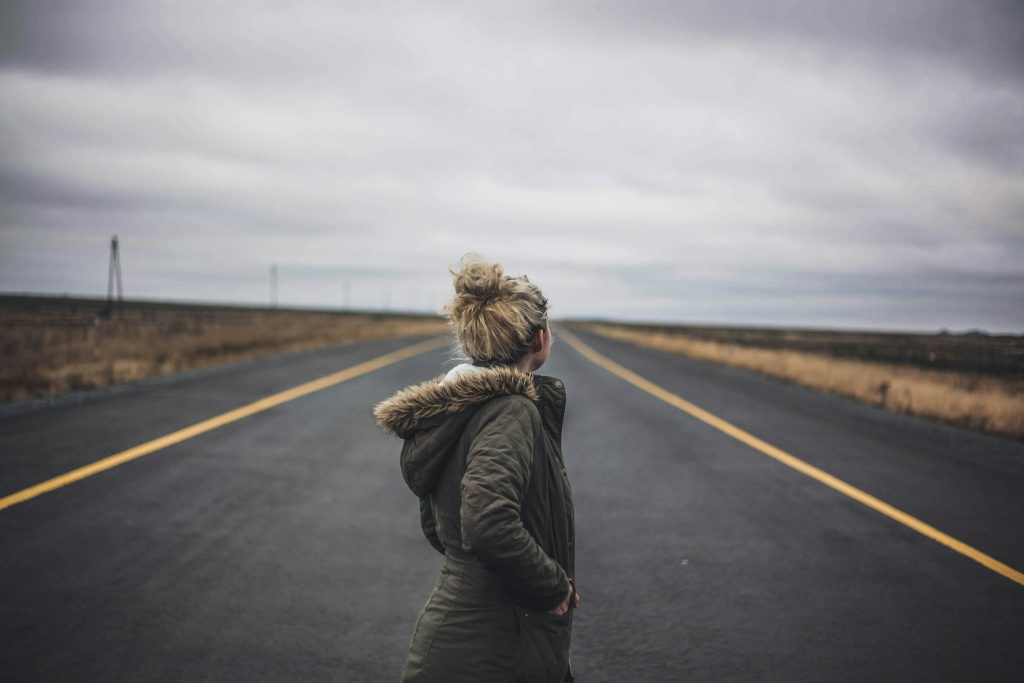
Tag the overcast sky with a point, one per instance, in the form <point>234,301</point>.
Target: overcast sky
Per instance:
<point>853,164</point>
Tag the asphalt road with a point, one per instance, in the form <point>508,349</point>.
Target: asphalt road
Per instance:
<point>285,546</point>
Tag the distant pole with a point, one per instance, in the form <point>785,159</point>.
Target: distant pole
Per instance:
<point>387,300</point>
<point>348,294</point>
<point>114,274</point>
<point>273,286</point>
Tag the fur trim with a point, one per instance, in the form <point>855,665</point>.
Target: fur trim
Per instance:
<point>400,414</point>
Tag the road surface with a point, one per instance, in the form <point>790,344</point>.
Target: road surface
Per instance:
<point>284,546</point>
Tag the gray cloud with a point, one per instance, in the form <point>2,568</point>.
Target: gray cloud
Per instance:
<point>857,164</point>
<point>986,37</point>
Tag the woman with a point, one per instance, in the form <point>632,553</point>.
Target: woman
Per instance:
<point>482,451</point>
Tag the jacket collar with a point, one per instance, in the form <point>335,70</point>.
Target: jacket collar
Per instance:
<point>403,412</point>
<point>551,402</point>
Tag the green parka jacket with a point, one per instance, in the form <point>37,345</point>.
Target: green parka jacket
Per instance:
<point>482,452</point>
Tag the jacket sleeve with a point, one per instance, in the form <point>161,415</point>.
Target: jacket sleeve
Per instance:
<point>497,473</point>
<point>429,525</point>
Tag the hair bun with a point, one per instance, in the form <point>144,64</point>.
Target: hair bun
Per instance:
<point>494,316</point>
<point>478,279</point>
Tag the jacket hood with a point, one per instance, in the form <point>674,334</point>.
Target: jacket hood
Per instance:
<point>411,408</point>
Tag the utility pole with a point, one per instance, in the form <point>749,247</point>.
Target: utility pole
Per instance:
<point>348,294</point>
<point>273,286</point>
<point>114,275</point>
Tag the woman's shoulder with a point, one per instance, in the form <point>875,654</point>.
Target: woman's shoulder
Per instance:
<point>510,404</point>
<point>508,408</point>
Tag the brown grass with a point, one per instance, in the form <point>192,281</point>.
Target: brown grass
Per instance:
<point>975,401</point>
<point>55,347</point>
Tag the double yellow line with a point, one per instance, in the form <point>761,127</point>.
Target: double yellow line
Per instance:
<point>218,421</point>
<point>792,461</point>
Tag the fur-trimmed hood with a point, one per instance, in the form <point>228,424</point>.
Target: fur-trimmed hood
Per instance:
<point>403,412</point>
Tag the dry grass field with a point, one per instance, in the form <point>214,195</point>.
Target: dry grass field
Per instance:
<point>975,381</point>
<point>53,346</point>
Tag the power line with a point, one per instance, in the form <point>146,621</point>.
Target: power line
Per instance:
<point>114,275</point>
<point>273,286</point>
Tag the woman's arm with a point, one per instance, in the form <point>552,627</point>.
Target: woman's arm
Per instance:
<point>429,524</point>
<point>497,473</point>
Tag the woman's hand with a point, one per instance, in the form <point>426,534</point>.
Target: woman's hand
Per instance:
<point>571,597</point>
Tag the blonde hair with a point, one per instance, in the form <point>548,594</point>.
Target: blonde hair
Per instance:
<point>494,315</point>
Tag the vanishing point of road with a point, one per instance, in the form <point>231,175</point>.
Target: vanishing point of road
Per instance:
<point>250,523</point>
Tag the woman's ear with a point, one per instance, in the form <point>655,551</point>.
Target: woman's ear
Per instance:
<point>538,341</point>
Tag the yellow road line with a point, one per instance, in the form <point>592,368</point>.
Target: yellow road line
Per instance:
<point>792,461</point>
<point>219,421</point>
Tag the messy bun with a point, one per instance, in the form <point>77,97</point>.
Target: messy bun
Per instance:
<point>494,315</point>
<point>478,280</point>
